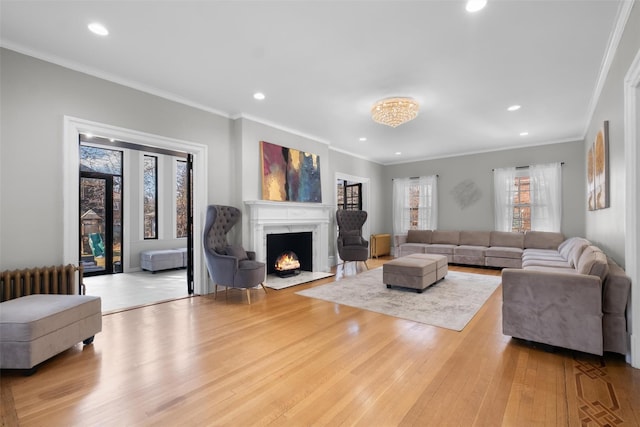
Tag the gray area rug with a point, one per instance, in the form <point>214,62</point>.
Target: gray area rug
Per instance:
<point>451,303</point>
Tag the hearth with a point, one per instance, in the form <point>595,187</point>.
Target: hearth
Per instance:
<point>287,264</point>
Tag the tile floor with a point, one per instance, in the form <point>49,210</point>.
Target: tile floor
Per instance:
<point>127,290</point>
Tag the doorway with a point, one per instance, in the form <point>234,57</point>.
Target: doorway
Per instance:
<point>73,128</point>
<point>352,192</point>
<point>100,214</point>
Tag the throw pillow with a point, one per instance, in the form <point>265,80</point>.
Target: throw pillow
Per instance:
<point>352,240</point>
<point>237,252</point>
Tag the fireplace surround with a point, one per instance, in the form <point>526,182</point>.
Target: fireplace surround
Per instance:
<point>266,217</point>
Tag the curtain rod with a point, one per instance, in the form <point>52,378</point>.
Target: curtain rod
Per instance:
<point>412,177</point>
<point>527,167</point>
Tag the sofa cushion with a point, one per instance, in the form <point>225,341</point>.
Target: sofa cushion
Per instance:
<point>593,262</point>
<point>549,269</point>
<point>445,237</point>
<point>545,263</point>
<point>503,252</point>
<point>507,239</point>
<point>500,262</point>
<point>469,250</point>
<point>542,254</point>
<point>475,238</point>
<point>419,236</point>
<point>572,248</point>
<point>440,249</point>
<point>543,239</point>
<point>565,247</point>
<point>411,248</point>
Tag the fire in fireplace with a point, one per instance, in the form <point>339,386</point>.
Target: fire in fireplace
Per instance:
<point>299,243</point>
<point>287,264</point>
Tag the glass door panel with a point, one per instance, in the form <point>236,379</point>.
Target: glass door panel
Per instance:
<point>117,224</point>
<point>93,202</point>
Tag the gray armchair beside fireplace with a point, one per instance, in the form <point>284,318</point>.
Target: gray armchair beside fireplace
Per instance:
<point>229,265</point>
<point>351,245</point>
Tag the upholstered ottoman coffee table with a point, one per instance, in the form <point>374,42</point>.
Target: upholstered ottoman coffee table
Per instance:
<point>415,271</point>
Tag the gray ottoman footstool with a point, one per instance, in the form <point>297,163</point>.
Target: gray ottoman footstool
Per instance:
<point>162,259</point>
<point>415,271</point>
<point>36,327</point>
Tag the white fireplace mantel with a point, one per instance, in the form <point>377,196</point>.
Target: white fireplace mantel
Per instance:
<point>266,217</point>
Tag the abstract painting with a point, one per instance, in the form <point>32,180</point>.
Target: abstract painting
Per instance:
<point>598,170</point>
<point>289,174</point>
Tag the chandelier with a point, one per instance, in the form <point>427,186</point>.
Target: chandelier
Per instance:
<point>394,111</point>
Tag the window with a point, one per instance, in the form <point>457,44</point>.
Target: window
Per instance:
<point>349,196</point>
<point>181,198</point>
<point>528,198</point>
<point>150,177</point>
<point>415,204</point>
<point>521,204</point>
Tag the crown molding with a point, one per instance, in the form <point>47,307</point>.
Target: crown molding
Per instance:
<point>624,10</point>
<point>109,77</point>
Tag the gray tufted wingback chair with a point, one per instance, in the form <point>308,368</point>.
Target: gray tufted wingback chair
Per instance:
<point>351,245</point>
<point>229,266</point>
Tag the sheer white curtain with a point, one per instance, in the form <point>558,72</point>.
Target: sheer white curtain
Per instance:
<point>503,190</point>
<point>411,194</point>
<point>546,197</point>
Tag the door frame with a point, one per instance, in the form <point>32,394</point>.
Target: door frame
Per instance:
<point>632,220</point>
<point>366,203</point>
<point>73,127</point>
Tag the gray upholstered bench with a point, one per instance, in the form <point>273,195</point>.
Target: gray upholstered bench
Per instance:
<point>36,327</point>
<point>163,259</point>
<point>415,271</point>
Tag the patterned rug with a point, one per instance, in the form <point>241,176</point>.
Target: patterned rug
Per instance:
<point>451,303</point>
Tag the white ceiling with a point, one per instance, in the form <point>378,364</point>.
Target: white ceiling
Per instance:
<point>322,64</point>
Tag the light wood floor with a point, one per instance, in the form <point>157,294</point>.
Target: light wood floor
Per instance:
<point>293,361</point>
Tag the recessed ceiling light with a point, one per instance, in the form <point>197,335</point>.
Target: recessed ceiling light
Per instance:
<point>398,153</point>
<point>475,5</point>
<point>98,28</point>
<point>524,133</point>
<point>363,138</point>
<point>514,108</point>
<point>259,96</point>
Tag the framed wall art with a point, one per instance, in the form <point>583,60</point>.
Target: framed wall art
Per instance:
<point>289,174</point>
<point>591,182</point>
<point>598,170</point>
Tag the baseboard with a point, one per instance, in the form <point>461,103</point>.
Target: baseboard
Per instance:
<point>635,352</point>
<point>332,261</point>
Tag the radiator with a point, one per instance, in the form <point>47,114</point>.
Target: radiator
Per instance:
<point>45,280</point>
<point>380,245</point>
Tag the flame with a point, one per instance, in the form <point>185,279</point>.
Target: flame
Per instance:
<point>287,262</point>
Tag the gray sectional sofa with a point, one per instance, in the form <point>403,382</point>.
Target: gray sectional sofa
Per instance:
<point>556,291</point>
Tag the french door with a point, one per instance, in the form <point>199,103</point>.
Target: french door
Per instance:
<point>100,223</point>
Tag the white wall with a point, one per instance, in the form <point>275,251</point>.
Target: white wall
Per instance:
<point>36,95</point>
<point>477,169</point>
<point>606,227</point>
<point>248,146</point>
